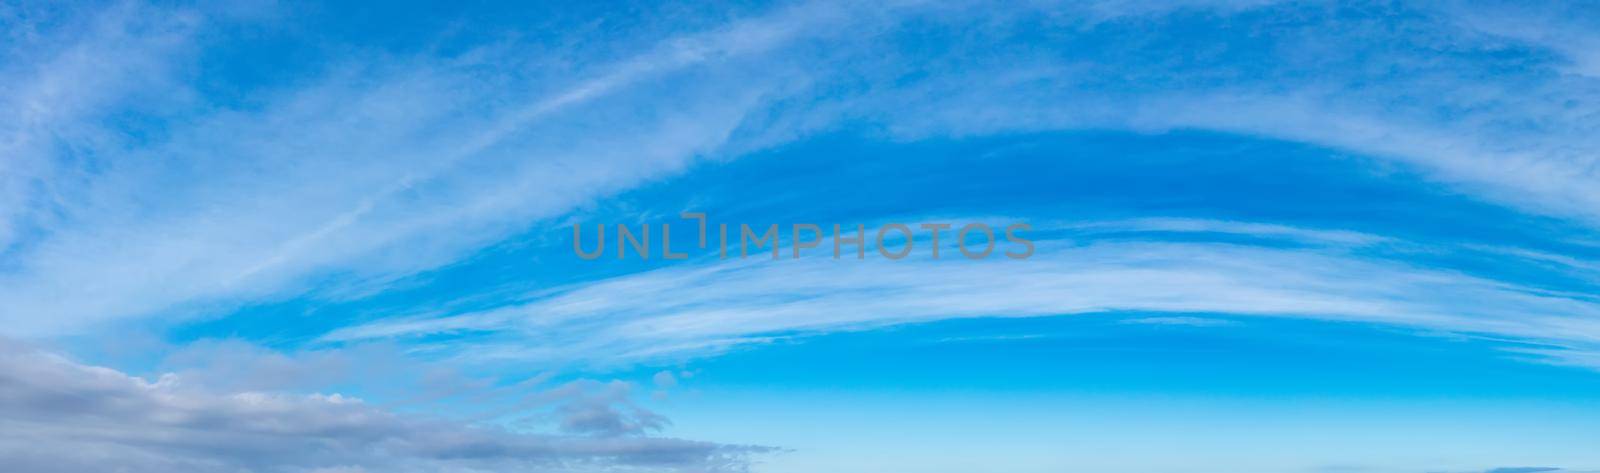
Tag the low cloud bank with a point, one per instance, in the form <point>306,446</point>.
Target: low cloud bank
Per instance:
<point>57,415</point>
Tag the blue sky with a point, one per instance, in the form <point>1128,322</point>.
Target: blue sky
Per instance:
<point>337,237</point>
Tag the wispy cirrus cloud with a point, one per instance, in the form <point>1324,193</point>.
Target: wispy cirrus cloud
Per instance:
<point>65,68</point>
<point>232,204</point>
<point>711,305</point>
<point>238,204</point>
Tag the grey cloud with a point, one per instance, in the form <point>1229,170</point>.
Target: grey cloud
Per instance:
<point>589,407</point>
<point>60,416</point>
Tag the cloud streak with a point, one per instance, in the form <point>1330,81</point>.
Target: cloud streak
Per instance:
<point>705,307</point>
